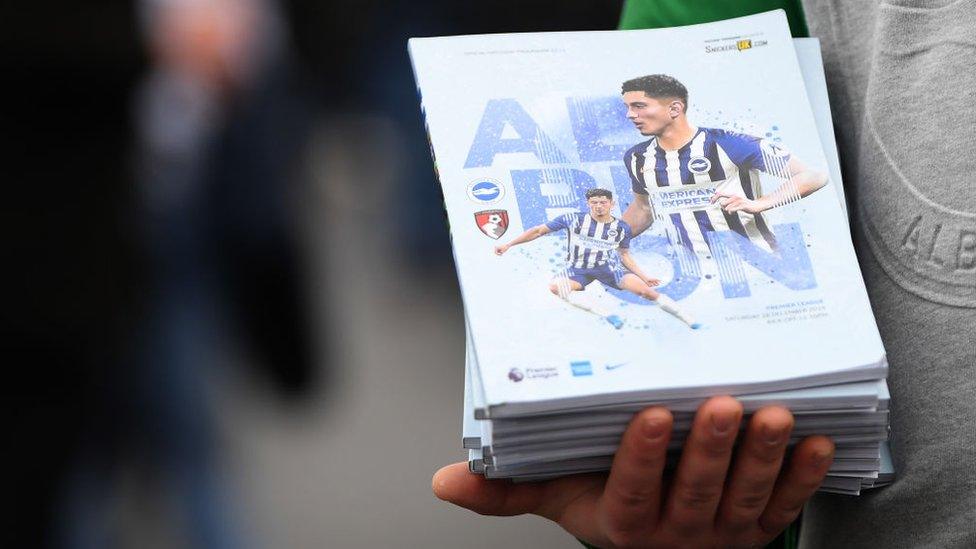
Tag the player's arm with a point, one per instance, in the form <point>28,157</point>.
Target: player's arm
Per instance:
<point>630,264</point>
<point>800,181</point>
<point>639,213</point>
<point>527,236</point>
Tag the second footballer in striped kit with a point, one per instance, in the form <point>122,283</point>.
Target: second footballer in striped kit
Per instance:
<point>598,248</point>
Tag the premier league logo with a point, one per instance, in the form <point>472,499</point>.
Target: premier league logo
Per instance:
<point>516,375</point>
<point>485,191</point>
<point>493,223</point>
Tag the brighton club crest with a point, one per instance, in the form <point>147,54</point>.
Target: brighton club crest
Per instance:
<point>493,223</point>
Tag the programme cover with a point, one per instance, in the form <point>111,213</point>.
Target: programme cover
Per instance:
<point>556,150</point>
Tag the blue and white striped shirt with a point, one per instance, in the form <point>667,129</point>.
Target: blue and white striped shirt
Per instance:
<point>681,182</point>
<point>591,243</point>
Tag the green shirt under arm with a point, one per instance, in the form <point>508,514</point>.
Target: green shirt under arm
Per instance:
<point>654,14</point>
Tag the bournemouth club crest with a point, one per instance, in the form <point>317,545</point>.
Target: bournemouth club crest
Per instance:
<point>493,223</point>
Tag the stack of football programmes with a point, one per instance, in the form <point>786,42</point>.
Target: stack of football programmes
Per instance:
<point>649,217</point>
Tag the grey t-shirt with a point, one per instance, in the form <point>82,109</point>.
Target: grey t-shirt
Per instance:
<point>902,80</point>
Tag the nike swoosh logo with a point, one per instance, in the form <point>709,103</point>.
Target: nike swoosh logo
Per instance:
<point>615,366</point>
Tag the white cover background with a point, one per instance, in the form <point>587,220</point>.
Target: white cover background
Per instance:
<point>514,319</point>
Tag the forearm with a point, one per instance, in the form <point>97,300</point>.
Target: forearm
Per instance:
<point>800,185</point>
<point>638,215</point>
<point>628,262</point>
<point>527,236</point>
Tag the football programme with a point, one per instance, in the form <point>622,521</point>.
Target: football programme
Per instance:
<point>647,210</point>
<point>655,232</point>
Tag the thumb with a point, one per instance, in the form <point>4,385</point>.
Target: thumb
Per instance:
<point>456,484</point>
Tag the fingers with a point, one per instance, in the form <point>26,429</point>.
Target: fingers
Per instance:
<point>729,202</point>
<point>757,465</point>
<point>456,484</point>
<point>697,486</point>
<point>807,468</point>
<point>631,499</point>
<point>718,196</point>
<point>732,204</point>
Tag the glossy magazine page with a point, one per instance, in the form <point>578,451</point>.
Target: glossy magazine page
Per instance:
<point>614,242</point>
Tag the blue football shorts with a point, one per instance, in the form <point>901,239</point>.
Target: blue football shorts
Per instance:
<point>607,275</point>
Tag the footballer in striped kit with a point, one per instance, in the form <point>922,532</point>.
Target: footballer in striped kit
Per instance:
<point>702,180</point>
<point>598,249</point>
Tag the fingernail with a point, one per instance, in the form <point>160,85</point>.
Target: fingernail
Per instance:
<point>771,436</point>
<point>722,424</point>
<point>819,459</point>
<point>652,429</point>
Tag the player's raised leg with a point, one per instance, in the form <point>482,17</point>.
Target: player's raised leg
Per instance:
<point>633,284</point>
<point>571,291</point>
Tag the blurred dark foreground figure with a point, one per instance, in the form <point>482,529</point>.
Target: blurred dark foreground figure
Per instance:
<point>221,129</point>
